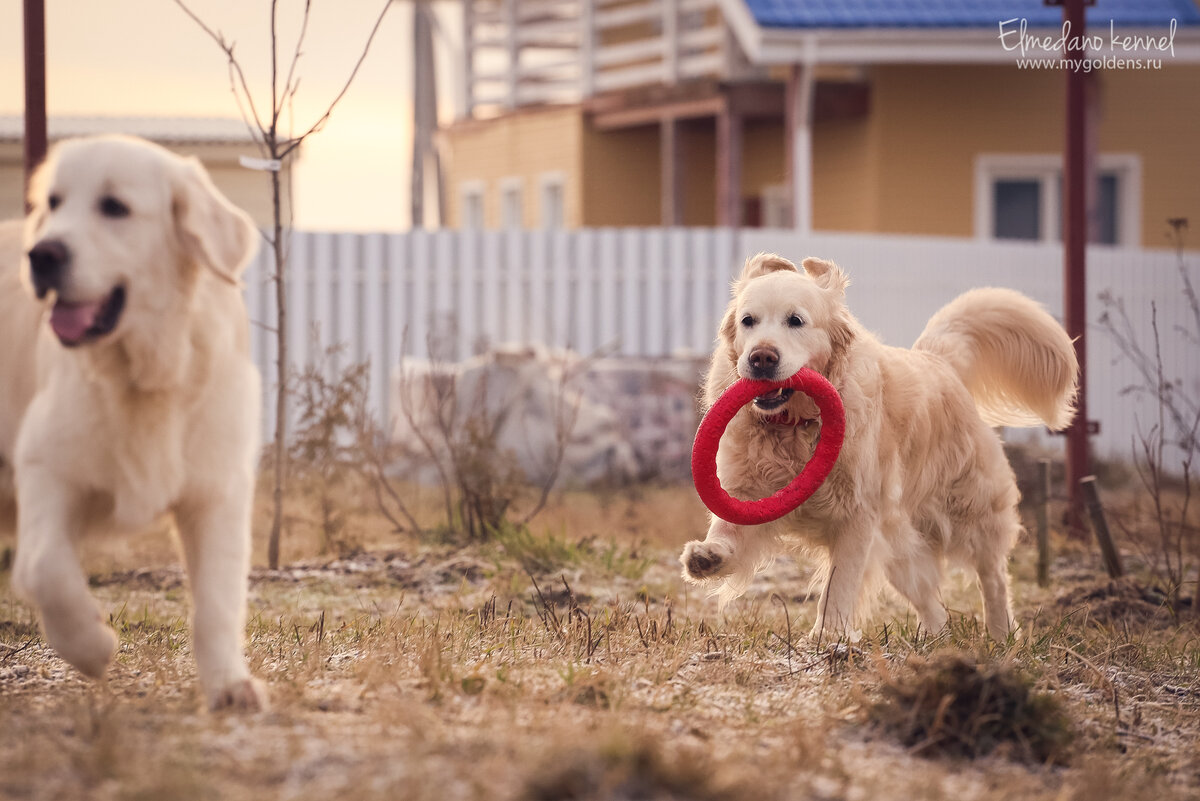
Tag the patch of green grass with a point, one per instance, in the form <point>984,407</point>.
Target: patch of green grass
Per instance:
<point>548,552</point>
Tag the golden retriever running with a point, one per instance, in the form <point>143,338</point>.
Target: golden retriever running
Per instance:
<point>921,479</point>
<point>127,392</point>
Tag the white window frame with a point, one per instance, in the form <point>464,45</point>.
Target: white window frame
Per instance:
<point>1045,168</point>
<point>510,186</point>
<point>467,192</point>
<point>546,182</point>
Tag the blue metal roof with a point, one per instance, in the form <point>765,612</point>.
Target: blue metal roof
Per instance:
<point>962,13</point>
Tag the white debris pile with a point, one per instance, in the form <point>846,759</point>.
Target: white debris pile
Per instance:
<point>604,420</point>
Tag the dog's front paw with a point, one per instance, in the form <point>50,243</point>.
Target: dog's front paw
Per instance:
<point>88,645</point>
<point>705,560</point>
<point>243,695</point>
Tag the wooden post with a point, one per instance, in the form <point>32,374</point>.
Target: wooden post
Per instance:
<point>671,171</point>
<point>513,49</point>
<point>670,35</point>
<point>1112,559</point>
<point>1043,522</point>
<point>35,87</point>
<point>729,167</point>
<point>798,115</point>
<point>467,108</point>
<point>1074,256</point>
<point>587,48</point>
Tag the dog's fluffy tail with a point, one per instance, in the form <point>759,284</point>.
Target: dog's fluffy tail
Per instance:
<point>1014,358</point>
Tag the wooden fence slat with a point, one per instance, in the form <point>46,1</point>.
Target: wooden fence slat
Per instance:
<point>299,280</point>
<point>397,278</point>
<point>700,270</point>
<point>419,317</point>
<point>654,313</point>
<point>675,287</point>
<point>514,273</point>
<point>323,255</point>
<point>632,276</point>
<point>348,276</point>
<point>375,331</point>
<point>445,324</point>
<point>468,293</point>
<point>491,282</point>
<point>534,306</point>
<point>562,275</point>
<point>608,275</point>
<point>585,299</point>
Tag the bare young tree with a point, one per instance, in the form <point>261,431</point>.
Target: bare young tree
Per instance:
<point>276,146</point>
<point>1168,477</point>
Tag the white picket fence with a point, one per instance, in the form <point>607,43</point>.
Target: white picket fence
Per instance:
<point>658,292</point>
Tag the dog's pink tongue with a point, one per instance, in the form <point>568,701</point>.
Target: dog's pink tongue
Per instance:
<point>71,321</point>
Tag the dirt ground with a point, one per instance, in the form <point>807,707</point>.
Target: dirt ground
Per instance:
<point>571,661</point>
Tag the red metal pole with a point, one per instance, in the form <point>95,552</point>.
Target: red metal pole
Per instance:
<point>35,86</point>
<point>1075,229</point>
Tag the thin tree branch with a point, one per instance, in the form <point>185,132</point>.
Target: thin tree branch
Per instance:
<point>320,123</point>
<point>288,89</point>
<point>227,47</point>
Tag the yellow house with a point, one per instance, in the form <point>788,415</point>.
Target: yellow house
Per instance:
<point>217,141</point>
<point>923,118</point>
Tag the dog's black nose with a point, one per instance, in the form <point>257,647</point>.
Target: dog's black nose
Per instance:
<point>47,263</point>
<point>763,362</point>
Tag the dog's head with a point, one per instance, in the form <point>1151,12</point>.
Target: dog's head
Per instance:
<point>780,320</point>
<point>120,230</point>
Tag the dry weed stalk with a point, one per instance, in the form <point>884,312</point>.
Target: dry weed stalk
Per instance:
<point>1172,511</point>
<point>461,439</point>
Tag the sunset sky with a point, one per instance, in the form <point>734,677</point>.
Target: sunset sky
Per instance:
<point>146,58</point>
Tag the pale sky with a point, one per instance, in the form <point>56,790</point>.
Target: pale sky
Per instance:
<point>146,58</point>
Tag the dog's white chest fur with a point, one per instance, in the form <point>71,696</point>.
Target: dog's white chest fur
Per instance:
<point>146,469</point>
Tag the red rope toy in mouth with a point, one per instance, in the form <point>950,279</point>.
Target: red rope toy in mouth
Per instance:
<point>708,437</point>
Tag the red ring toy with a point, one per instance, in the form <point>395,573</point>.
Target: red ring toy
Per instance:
<point>708,437</point>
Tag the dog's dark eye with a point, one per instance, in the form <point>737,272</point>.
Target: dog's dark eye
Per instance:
<point>794,321</point>
<point>53,202</point>
<point>748,321</point>
<point>111,207</point>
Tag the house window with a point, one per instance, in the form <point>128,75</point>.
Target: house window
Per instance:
<point>1020,198</point>
<point>511,211</point>
<point>471,196</point>
<point>1016,208</point>
<point>553,210</point>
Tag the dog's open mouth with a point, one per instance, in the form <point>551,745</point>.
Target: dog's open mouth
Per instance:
<point>77,323</point>
<point>773,400</point>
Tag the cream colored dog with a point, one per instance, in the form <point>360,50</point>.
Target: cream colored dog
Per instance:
<point>127,392</point>
<point>921,479</point>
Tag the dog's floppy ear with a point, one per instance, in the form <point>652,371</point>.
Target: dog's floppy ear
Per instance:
<point>722,370</point>
<point>213,231</point>
<point>826,274</point>
<point>764,263</point>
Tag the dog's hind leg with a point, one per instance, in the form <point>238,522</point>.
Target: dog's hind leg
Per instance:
<point>916,573</point>
<point>997,537</point>
<point>216,546</point>
<point>993,586</point>
<point>47,572</point>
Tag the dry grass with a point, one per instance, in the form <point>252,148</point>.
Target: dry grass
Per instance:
<point>427,669</point>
